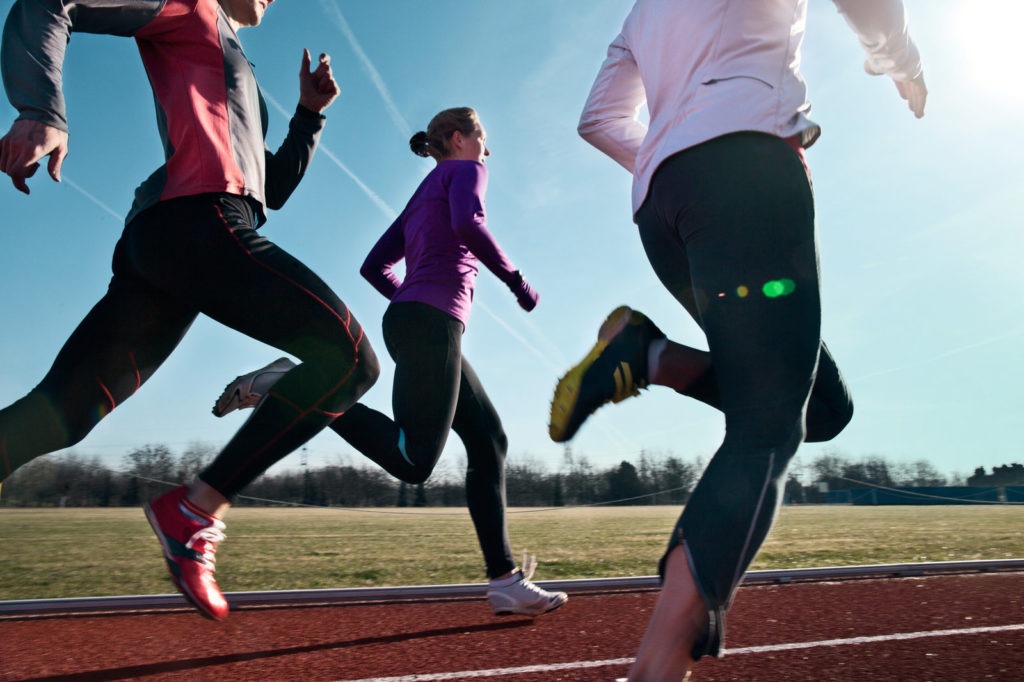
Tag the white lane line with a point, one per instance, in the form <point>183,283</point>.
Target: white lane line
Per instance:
<point>871,640</point>
<point>580,665</point>
<point>466,674</point>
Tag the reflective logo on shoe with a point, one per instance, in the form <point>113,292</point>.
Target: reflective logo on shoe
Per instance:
<point>624,387</point>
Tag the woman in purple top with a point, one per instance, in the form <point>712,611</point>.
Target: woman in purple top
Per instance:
<point>442,236</point>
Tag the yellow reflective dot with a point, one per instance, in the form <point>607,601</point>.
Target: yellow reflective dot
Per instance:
<point>742,291</point>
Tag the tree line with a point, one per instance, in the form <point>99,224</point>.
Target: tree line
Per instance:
<point>82,481</point>
<point>653,478</point>
<point>837,472</point>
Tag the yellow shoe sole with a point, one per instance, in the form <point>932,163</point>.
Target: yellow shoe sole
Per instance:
<point>568,389</point>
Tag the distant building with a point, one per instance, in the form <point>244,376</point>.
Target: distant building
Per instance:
<point>1010,474</point>
<point>917,495</point>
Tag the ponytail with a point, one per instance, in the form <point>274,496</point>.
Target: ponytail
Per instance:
<point>420,144</point>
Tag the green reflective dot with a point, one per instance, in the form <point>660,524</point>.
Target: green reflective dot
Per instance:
<point>778,287</point>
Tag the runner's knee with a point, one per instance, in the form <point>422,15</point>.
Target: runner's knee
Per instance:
<point>826,426</point>
<point>417,475</point>
<point>344,370</point>
<point>367,368</point>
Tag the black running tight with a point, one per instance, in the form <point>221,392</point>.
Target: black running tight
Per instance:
<point>829,408</point>
<point>437,391</point>
<point>180,258</point>
<point>728,227</point>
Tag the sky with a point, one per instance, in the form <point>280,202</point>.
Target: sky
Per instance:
<point>919,225</point>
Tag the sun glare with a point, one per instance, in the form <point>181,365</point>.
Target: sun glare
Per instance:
<point>990,34</point>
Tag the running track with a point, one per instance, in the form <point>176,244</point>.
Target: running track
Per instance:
<point>948,627</point>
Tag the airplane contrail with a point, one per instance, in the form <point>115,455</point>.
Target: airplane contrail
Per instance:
<point>384,207</point>
<point>81,190</point>
<point>943,355</point>
<point>331,8</point>
<point>545,358</point>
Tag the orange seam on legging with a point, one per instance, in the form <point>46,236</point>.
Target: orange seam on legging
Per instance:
<point>284,400</point>
<point>110,396</point>
<point>315,407</point>
<point>106,391</point>
<point>332,415</point>
<point>301,415</point>
<point>346,322</point>
<point>138,374</point>
<point>291,404</point>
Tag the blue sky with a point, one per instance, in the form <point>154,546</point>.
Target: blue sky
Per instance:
<point>919,225</point>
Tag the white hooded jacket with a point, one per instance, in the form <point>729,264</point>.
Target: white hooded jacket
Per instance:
<point>706,68</point>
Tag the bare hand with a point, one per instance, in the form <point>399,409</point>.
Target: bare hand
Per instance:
<point>914,90</point>
<point>317,89</point>
<point>25,144</point>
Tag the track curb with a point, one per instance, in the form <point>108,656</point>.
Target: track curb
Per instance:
<point>285,598</point>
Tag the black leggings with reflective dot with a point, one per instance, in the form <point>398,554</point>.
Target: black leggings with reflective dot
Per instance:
<point>728,226</point>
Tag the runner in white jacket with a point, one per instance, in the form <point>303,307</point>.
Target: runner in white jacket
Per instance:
<point>723,202</point>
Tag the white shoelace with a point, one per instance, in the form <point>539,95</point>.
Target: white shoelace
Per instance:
<point>211,535</point>
<point>529,565</point>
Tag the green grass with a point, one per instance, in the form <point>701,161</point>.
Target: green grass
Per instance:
<point>91,552</point>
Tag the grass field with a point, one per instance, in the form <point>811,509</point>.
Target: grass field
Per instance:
<point>91,552</point>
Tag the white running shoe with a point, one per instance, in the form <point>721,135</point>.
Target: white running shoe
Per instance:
<point>248,390</point>
<point>522,597</point>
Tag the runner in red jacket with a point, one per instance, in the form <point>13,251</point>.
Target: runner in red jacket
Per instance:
<point>189,246</point>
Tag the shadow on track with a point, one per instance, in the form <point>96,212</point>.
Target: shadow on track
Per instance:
<point>137,671</point>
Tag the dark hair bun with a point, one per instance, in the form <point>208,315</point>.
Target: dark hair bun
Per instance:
<point>419,144</point>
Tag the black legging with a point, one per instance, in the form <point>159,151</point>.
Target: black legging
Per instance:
<point>436,391</point>
<point>722,220</point>
<point>182,257</point>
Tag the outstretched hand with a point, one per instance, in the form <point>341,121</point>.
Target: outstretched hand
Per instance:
<point>25,144</point>
<point>317,88</point>
<point>914,90</point>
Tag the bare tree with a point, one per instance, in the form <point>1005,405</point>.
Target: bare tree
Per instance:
<point>920,473</point>
<point>195,458</point>
<point>150,467</point>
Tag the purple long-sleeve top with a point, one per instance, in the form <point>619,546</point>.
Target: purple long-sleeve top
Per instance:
<point>442,235</point>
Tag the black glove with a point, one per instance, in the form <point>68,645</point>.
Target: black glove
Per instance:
<point>526,295</point>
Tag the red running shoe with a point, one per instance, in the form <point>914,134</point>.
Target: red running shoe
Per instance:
<point>189,537</point>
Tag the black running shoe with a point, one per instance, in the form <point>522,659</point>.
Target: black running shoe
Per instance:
<point>614,369</point>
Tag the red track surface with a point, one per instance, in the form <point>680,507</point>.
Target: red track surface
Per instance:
<point>378,641</point>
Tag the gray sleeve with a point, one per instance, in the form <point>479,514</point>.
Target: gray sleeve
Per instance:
<point>881,27</point>
<point>36,36</point>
